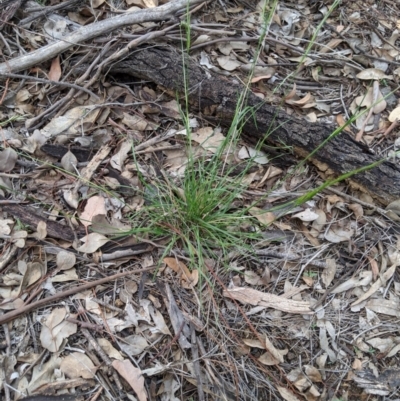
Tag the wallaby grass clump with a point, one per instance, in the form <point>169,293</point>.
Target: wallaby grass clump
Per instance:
<point>199,212</point>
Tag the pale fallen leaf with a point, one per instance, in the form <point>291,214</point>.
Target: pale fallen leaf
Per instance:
<point>252,278</point>
<point>247,152</point>
<point>71,197</point>
<point>313,373</point>
<point>210,139</point>
<point>134,344</point>
<point>384,306</point>
<point>94,206</point>
<point>306,215</point>
<point>277,354</point>
<point>5,224</point>
<point>67,275</point>
<point>160,325</point>
<point>328,274</point>
<point>394,115</point>
<point>262,216</point>
<point>286,394</point>
<point>117,161</point>
<point>41,230</point>
<point>338,234</point>
<point>55,329</point>
<point>347,285</point>
<point>65,260</point>
<point>69,162</point>
<point>43,374</point>
<point>201,39</point>
<point>71,122</point>
<point>92,242</point>
<point>8,158</point>
<point>227,63</point>
<point>18,238</point>
<point>373,73</point>
<point>133,376</point>
<point>77,365</point>
<point>108,348</point>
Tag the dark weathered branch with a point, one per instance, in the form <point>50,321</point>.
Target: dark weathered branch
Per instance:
<point>91,31</point>
<point>216,96</point>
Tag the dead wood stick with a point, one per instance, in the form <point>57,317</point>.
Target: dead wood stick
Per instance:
<point>9,316</point>
<point>215,97</point>
<point>91,31</point>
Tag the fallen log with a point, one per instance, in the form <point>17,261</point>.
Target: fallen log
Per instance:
<point>215,97</point>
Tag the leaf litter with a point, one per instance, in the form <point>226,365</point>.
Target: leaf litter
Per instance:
<point>311,314</point>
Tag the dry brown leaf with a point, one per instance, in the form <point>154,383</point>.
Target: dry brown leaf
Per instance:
<point>55,70</point>
<point>133,376</point>
<point>188,279</point>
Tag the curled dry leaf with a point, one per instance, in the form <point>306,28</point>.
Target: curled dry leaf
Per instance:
<point>338,234</point>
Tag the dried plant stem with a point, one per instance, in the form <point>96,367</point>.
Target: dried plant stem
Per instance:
<point>8,317</point>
